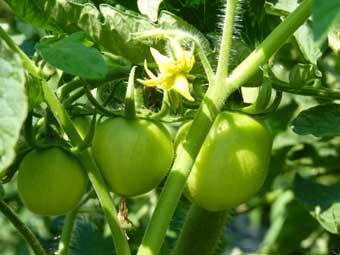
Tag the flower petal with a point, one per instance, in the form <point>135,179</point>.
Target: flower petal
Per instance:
<point>147,70</point>
<point>181,85</point>
<point>161,60</point>
<point>157,81</point>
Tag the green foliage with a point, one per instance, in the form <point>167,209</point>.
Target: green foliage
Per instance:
<point>322,22</point>
<point>322,201</point>
<point>149,8</point>
<point>79,55</point>
<point>12,113</point>
<point>321,120</point>
<point>72,56</point>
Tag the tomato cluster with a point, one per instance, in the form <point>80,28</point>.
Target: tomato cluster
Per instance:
<point>134,156</point>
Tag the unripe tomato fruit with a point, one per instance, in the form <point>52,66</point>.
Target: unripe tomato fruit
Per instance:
<point>133,155</point>
<point>51,181</point>
<point>232,163</point>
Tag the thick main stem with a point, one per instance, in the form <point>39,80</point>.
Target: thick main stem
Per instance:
<point>201,232</point>
<point>188,150</point>
<point>211,105</point>
<point>26,233</point>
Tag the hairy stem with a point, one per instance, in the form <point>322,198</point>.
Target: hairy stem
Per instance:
<point>201,232</point>
<point>211,105</point>
<point>227,36</point>
<point>187,152</point>
<point>26,233</point>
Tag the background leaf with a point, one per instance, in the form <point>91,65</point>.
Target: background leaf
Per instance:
<point>304,35</point>
<point>321,120</point>
<point>13,104</point>
<point>112,28</point>
<point>149,8</point>
<point>322,201</point>
<point>334,38</point>
<point>325,14</point>
<point>72,56</point>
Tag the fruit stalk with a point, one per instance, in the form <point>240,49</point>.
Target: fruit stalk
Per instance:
<point>66,233</point>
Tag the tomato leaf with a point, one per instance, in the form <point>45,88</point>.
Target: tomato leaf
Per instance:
<point>149,8</point>
<point>304,35</point>
<point>322,201</point>
<point>72,56</point>
<point>321,120</point>
<point>334,38</point>
<point>309,48</point>
<point>286,213</point>
<point>13,104</point>
<point>325,14</point>
<point>87,239</point>
<point>110,27</point>
<point>281,7</point>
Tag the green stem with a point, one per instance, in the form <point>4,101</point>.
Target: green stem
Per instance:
<point>211,105</point>
<point>187,152</point>
<point>322,93</point>
<point>66,233</point>
<point>26,233</point>
<point>270,45</point>
<point>68,87</point>
<point>94,101</point>
<point>25,60</point>
<point>93,172</point>
<point>201,232</point>
<point>165,108</point>
<point>121,244</point>
<point>130,108</point>
<point>227,36</point>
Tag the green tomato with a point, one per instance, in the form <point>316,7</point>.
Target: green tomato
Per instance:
<point>51,181</point>
<point>133,155</point>
<point>232,164</point>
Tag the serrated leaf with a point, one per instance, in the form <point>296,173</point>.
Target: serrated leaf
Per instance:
<point>149,8</point>
<point>321,120</point>
<point>325,14</point>
<point>322,202</point>
<point>88,240</point>
<point>108,26</point>
<point>72,56</point>
<point>13,104</point>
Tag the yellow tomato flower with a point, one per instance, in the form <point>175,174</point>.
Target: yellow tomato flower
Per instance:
<point>172,71</point>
